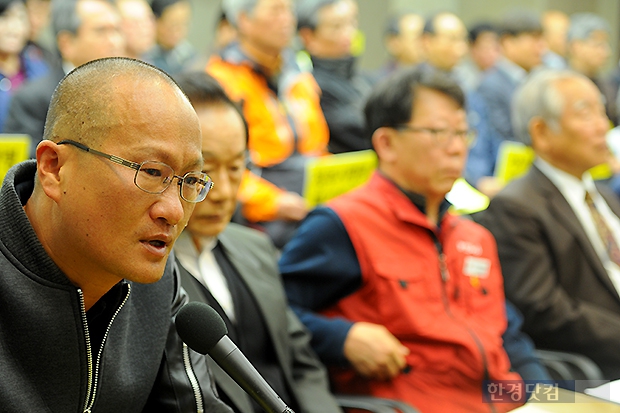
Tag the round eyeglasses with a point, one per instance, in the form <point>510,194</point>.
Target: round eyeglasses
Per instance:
<point>155,177</point>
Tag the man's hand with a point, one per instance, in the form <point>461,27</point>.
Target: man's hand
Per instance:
<point>374,352</point>
<point>489,185</point>
<point>291,207</point>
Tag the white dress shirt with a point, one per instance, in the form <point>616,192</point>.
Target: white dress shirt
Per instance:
<point>203,266</point>
<point>574,191</point>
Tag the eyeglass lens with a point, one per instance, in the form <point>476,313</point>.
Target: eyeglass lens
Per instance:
<point>155,177</point>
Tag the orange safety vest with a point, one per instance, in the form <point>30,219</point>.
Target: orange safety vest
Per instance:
<point>272,138</point>
<point>272,123</point>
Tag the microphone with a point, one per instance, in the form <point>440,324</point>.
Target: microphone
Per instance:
<point>204,331</point>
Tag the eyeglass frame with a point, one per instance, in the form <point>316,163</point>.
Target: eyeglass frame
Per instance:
<point>138,166</point>
<point>469,136</point>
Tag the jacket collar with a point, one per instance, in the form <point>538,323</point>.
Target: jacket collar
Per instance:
<point>562,210</point>
<point>401,201</point>
<point>343,67</point>
<point>16,232</point>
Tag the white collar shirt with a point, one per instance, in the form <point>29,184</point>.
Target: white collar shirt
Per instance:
<point>203,266</point>
<point>574,191</point>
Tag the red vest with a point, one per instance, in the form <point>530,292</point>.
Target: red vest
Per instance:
<point>452,325</point>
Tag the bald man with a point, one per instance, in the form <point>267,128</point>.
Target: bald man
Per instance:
<point>86,234</point>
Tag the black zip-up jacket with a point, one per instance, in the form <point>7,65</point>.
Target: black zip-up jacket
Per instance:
<point>46,361</point>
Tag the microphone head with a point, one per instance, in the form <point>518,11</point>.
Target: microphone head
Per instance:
<point>200,326</point>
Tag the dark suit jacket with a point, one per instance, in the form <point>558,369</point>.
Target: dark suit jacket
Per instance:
<point>29,107</point>
<point>496,89</point>
<point>552,272</point>
<point>255,259</point>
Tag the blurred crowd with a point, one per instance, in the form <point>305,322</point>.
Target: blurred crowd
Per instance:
<point>489,59</point>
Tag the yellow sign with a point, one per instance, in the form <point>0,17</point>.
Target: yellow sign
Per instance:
<point>513,160</point>
<point>333,175</point>
<point>13,149</point>
<point>466,199</point>
<point>602,171</point>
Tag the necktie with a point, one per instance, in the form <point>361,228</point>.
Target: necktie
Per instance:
<point>604,231</point>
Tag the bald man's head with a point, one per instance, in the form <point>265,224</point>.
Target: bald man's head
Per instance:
<point>91,99</point>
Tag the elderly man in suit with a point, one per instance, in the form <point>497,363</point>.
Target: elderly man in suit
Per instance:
<point>234,268</point>
<point>557,231</point>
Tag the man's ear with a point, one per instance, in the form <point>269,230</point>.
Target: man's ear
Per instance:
<point>64,41</point>
<point>392,45</point>
<point>306,35</point>
<point>425,40</point>
<point>505,43</point>
<point>49,164</point>
<point>574,48</point>
<point>539,133</point>
<point>243,20</point>
<point>383,143</point>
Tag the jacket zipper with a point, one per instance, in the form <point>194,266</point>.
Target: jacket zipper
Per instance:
<point>93,375</point>
<point>89,354</point>
<point>191,375</point>
<point>445,276</point>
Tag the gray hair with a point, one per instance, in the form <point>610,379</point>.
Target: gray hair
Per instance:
<point>308,12</point>
<point>583,24</point>
<point>539,96</point>
<point>233,8</point>
<point>64,16</point>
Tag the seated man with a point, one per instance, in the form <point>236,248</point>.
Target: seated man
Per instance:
<point>88,293</point>
<point>282,107</point>
<point>327,29</point>
<point>173,52</point>
<point>234,269</point>
<point>404,299</point>
<point>588,51</point>
<point>559,270</point>
<point>402,40</point>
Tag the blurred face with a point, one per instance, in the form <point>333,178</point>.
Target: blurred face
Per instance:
<point>110,229</point>
<point>408,45</point>
<point>555,26</point>
<point>225,33</point>
<point>448,45</point>
<point>580,143</point>
<point>138,24</point>
<point>334,33</point>
<point>592,53</point>
<point>173,24</point>
<point>485,51</point>
<point>14,29</point>
<point>525,49</point>
<point>421,163</point>
<point>223,150</point>
<point>38,16</point>
<point>269,27</point>
<point>98,36</point>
